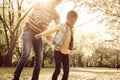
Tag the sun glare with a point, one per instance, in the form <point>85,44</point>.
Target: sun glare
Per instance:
<point>45,1</point>
<point>63,9</point>
<point>29,3</point>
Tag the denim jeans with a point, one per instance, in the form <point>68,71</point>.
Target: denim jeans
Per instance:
<point>30,42</point>
<point>64,59</point>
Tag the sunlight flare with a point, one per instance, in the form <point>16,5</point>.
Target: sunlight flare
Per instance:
<point>64,8</point>
<point>45,1</point>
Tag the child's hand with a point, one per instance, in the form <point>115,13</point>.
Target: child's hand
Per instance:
<point>37,36</point>
<point>69,52</point>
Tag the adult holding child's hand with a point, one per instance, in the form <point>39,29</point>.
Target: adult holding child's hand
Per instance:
<point>37,36</point>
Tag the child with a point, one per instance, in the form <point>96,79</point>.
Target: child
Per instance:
<point>63,42</point>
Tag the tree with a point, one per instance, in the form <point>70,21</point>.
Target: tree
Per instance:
<point>11,19</point>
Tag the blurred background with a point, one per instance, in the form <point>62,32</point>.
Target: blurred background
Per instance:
<point>96,32</point>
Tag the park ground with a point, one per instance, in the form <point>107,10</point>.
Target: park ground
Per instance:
<point>75,74</point>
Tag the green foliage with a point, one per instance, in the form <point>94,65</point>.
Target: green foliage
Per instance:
<point>47,54</point>
<point>76,60</point>
<point>106,57</point>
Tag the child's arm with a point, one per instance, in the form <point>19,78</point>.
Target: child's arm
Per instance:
<point>49,31</point>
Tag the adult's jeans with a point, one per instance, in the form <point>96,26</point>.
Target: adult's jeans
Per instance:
<point>29,41</point>
<point>64,59</point>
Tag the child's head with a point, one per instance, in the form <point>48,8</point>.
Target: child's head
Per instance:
<point>71,18</point>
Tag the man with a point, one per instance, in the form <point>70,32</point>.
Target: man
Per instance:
<point>37,23</point>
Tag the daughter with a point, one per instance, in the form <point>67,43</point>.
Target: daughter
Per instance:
<point>63,42</point>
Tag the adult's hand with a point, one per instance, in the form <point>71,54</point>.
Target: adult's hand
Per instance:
<point>49,37</point>
<point>37,36</point>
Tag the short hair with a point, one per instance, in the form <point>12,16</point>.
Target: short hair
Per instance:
<point>72,14</point>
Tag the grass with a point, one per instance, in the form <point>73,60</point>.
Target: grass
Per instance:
<point>75,74</point>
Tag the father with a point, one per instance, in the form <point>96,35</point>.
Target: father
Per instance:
<point>38,21</point>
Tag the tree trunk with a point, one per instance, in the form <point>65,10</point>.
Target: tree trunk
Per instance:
<point>0,60</point>
<point>101,59</point>
<point>9,59</point>
<point>10,50</point>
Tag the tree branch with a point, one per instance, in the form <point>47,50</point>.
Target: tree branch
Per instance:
<point>18,24</point>
<point>87,21</point>
<point>4,25</point>
<point>4,22</point>
<point>21,2</point>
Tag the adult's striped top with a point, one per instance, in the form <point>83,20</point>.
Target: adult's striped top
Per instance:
<point>41,16</point>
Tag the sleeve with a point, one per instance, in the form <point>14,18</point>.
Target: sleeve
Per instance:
<point>52,30</point>
<point>56,17</point>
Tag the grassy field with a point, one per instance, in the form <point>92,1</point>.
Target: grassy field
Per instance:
<point>75,74</point>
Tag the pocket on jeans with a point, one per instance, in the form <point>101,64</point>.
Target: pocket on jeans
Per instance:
<point>25,29</point>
